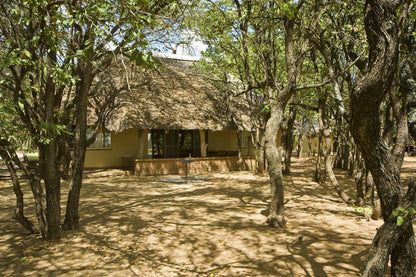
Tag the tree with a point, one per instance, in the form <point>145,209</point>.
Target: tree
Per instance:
<point>52,51</point>
<point>395,239</point>
<point>258,37</point>
<point>12,136</point>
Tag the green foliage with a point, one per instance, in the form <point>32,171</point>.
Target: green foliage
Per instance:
<point>141,59</point>
<point>241,39</point>
<point>288,9</point>
<point>401,213</point>
<point>400,220</point>
<point>52,48</point>
<point>12,132</point>
<point>48,131</point>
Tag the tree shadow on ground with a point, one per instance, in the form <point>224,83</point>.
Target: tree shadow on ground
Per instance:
<point>148,226</point>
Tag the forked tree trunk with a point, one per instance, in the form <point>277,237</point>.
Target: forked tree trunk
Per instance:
<point>326,134</point>
<point>19,209</point>
<point>391,241</point>
<point>276,216</point>
<point>49,167</point>
<point>328,165</point>
<point>37,192</point>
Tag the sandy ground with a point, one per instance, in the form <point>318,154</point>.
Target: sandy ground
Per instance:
<point>212,225</point>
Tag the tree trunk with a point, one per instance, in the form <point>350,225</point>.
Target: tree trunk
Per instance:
<point>371,194</point>
<point>360,180</point>
<point>50,175</point>
<point>259,142</point>
<point>403,254</point>
<point>330,172</point>
<point>288,140</point>
<point>71,221</point>
<point>49,167</point>
<point>299,148</point>
<point>19,210</point>
<point>382,35</point>
<point>346,152</point>
<point>276,216</point>
<point>353,156</point>
<point>338,143</point>
<point>376,214</point>
<point>64,155</point>
<point>320,168</point>
<point>395,241</point>
<point>37,192</point>
<point>239,150</point>
<point>326,134</point>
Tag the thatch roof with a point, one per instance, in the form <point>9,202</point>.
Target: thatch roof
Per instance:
<point>170,96</point>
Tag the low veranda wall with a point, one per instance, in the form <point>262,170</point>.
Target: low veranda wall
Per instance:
<point>176,166</point>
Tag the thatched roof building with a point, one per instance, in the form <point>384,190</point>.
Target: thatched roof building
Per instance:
<point>170,96</point>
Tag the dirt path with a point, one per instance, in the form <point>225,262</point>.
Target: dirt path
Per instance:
<point>214,225</point>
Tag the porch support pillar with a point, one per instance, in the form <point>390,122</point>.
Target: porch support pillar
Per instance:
<point>142,144</point>
<point>203,142</point>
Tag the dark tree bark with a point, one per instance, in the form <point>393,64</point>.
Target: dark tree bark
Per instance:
<point>19,209</point>
<point>288,139</point>
<point>382,36</point>
<point>37,192</point>
<point>395,241</point>
<point>50,175</point>
<point>359,178</point>
<point>49,167</point>
<point>71,221</point>
<point>64,155</point>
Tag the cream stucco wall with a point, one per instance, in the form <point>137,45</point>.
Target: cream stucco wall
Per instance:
<point>122,144</point>
<point>226,141</point>
<point>127,142</point>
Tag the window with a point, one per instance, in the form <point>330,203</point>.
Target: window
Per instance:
<point>173,143</point>
<point>158,143</point>
<point>185,143</point>
<point>102,140</point>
